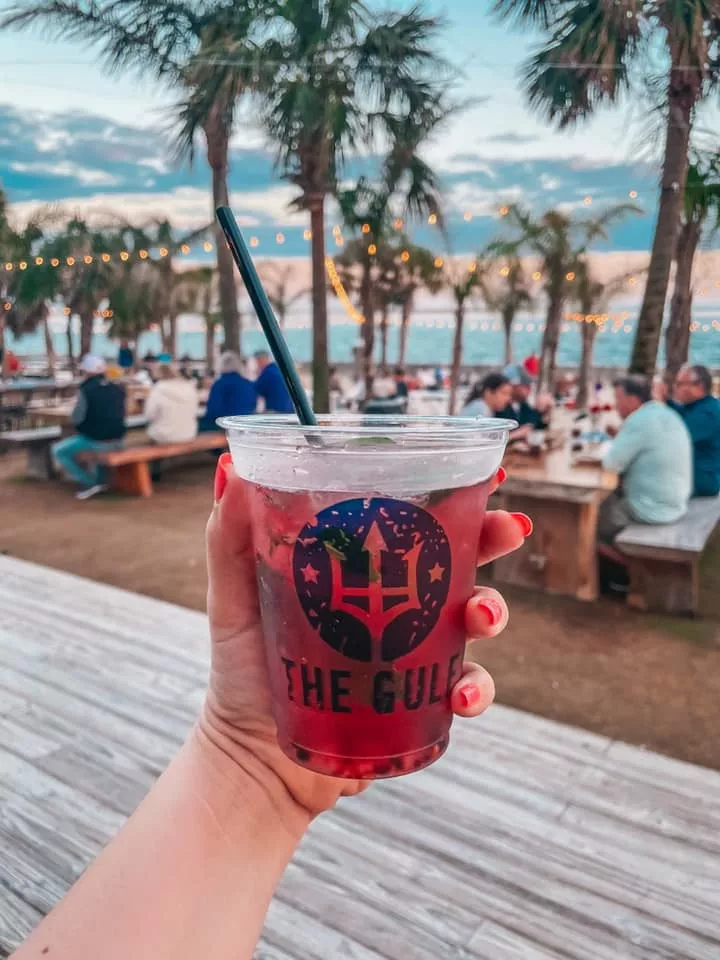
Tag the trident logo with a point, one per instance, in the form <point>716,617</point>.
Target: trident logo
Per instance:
<point>376,617</point>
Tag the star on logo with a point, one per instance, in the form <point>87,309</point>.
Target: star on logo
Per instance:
<point>309,573</point>
<point>436,573</point>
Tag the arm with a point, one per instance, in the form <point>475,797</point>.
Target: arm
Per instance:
<point>193,871</point>
<point>79,410</point>
<point>701,424</point>
<point>624,448</point>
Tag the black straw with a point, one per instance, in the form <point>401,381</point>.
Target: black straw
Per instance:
<point>275,338</point>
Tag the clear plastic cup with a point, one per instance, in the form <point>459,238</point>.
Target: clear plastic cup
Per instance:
<point>366,533</point>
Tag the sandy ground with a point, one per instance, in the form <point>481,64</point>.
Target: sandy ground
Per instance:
<point>646,680</point>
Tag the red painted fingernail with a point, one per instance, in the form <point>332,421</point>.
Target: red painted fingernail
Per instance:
<point>221,477</point>
<point>501,475</point>
<point>469,696</point>
<point>492,610</point>
<point>524,522</point>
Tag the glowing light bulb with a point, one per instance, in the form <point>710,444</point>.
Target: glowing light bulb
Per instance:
<point>8,266</point>
<point>88,259</point>
<point>207,246</point>
<point>398,224</point>
<point>570,276</point>
<point>7,305</point>
<point>432,219</point>
<point>405,256</point>
<point>504,211</point>
<point>22,265</point>
<point>587,201</point>
<point>124,256</point>
<point>185,249</point>
<point>307,234</point>
<point>467,216</point>
<point>163,251</point>
<point>438,262</point>
<point>254,241</point>
<point>279,238</point>
<point>633,194</point>
<point>105,257</point>
<point>54,262</point>
<point>472,267</point>
<point>372,249</point>
<point>336,231</point>
<point>537,275</point>
<point>39,261</point>
<point>505,271</point>
<point>143,254</point>
<point>66,311</point>
<point>70,261</point>
<point>366,228</point>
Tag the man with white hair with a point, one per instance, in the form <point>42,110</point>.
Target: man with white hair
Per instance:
<point>99,421</point>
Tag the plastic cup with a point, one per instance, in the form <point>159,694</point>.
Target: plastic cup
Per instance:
<point>366,533</point>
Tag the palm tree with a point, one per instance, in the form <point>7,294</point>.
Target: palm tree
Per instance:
<point>593,297</point>
<point>171,40</point>
<point>343,77</point>
<point>508,297</point>
<point>194,292</point>
<point>594,48</point>
<point>701,217</point>
<point>462,285</point>
<point>276,279</point>
<point>558,240</point>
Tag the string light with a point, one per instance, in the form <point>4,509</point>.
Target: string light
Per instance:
<point>8,266</point>
<point>39,261</point>
<point>207,246</point>
<point>143,254</point>
<point>570,276</point>
<point>163,251</point>
<point>105,257</point>
<point>537,275</point>
<point>88,259</point>
<point>339,242</point>
<point>366,228</point>
<point>254,241</point>
<point>54,262</point>
<point>336,231</point>
<point>438,262</point>
<point>7,305</point>
<point>307,234</point>
<point>405,256</point>
<point>341,292</point>
<point>467,216</point>
<point>633,194</point>
<point>372,249</point>
<point>184,248</point>
<point>280,238</point>
<point>22,265</point>
<point>398,224</point>
<point>70,261</point>
<point>66,311</point>
<point>472,267</point>
<point>505,271</point>
<point>432,219</point>
<point>504,211</point>
<point>124,256</point>
<point>587,201</point>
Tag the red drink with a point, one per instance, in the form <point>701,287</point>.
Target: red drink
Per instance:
<point>363,594</point>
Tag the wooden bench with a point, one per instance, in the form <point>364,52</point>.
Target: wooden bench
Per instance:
<point>131,466</point>
<point>664,559</point>
<point>37,443</point>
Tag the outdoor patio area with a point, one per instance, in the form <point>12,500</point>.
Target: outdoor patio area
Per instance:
<point>529,841</point>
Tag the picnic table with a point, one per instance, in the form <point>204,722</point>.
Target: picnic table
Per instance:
<point>529,840</point>
<point>563,500</point>
<point>28,389</point>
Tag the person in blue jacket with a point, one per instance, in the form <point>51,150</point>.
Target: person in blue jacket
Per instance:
<point>271,386</point>
<point>700,410</point>
<point>231,394</point>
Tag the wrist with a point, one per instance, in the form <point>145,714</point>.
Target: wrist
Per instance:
<point>253,752</point>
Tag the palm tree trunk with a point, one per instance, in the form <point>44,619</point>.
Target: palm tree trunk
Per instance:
<point>456,355</point>
<point>588,334</point>
<point>507,319</point>
<point>368,331</point>
<point>383,339</point>
<point>407,306</point>
<point>209,331</point>
<point>49,345</point>
<point>69,338</point>
<point>677,335</point>
<point>682,98</point>
<point>169,334</point>
<point>218,147</point>
<point>551,338</point>
<point>321,395</point>
<point>4,363</point>
<point>87,321</point>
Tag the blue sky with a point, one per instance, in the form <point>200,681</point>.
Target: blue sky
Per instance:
<point>69,133</point>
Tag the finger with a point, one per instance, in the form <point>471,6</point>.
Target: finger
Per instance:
<point>232,590</point>
<point>473,693</point>
<point>500,477</point>
<point>502,533</point>
<point>486,614</point>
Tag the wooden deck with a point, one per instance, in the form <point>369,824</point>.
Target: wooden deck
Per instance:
<point>529,841</point>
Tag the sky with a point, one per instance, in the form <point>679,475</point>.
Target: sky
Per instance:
<point>71,134</point>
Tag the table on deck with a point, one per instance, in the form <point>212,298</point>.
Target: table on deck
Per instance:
<point>563,501</point>
<point>529,841</point>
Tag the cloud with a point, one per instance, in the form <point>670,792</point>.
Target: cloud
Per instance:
<point>510,138</point>
<point>65,169</point>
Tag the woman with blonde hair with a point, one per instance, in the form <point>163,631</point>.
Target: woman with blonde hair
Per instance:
<point>172,408</point>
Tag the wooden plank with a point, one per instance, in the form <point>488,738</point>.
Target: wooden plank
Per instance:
<point>141,454</point>
<point>22,437</point>
<point>687,535</point>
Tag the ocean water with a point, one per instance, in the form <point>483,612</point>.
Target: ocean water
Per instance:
<point>429,340</point>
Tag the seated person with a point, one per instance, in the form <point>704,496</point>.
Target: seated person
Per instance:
<point>401,386</point>
<point>99,421</point>
<point>519,408</point>
<point>490,397</point>
<point>271,386</point>
<point>126,356</point>
<point>172,408</point>
<point>653,456</point>
<point>700,410</point>
<point>231,395</point>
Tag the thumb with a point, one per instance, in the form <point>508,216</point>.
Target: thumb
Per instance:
<point>232,589</point>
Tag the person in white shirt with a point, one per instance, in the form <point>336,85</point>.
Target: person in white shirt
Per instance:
<point>172,408</point>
